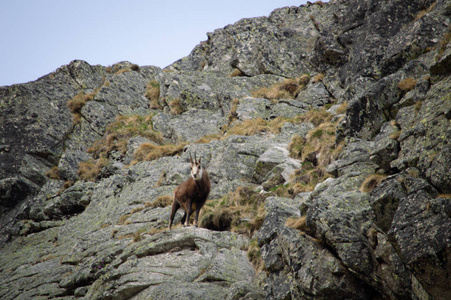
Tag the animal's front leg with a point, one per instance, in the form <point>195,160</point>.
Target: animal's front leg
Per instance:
<point>196,217</point>
<point>188,213</point>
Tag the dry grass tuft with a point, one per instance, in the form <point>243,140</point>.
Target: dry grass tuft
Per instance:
<point>297,223</point>
<point>395,135</point>
<point>120,131</point>
<point>154,231</point>
<point>153,94</point>
<point>53,173</point>
<point>236,73</point>
<point>77,103</point>
<point>123,219</point>
<point>249,127</point>
<point>407,84</point>
<point>137,209</point>
<point>90,170</point>
<point>417,106</point>
<point>317,150</point>
<point>176,107</point>
<point>318,78</point>
<point>241,211</point>
<point>149,151</point>
<point>314,116</point>
<point>443,44</point>
<point>288,89</point>
<point>160,201</point>
<point>255,256</point>
<point>371,182</point>
<point>342,108</point>
<point>208,138</point>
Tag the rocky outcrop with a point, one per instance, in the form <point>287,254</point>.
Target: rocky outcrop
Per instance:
<point>378,226</point>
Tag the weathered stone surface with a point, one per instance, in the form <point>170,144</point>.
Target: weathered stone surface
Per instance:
<point>190,126</point>
<point>106,240</point>
<point>421,230</point>
<point>386,147</point>
<point>315,95</point>
<point>298,265</point>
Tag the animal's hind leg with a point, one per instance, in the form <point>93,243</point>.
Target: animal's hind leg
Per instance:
<point>175,207</point>
<point>183,219</point>
<point>188,212</point>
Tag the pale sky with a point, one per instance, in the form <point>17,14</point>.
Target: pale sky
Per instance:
<point>39,36</point>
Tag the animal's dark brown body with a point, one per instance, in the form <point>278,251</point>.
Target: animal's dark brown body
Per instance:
<point>191,195</point>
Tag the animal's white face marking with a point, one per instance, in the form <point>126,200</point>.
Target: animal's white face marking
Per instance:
<point>196,170</point>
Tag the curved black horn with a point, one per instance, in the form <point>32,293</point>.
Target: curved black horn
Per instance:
<point>195,159</point>
<point>190,158</point>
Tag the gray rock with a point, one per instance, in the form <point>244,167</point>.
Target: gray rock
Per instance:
<point>190,126</point>
<point>105,240</point>
<point>315,95</point>
<point>252,108</point>
<point>386,147</point>
<point>421,231</point>
<point>68,165</point>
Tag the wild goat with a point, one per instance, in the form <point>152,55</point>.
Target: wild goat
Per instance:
<point>191,194</point>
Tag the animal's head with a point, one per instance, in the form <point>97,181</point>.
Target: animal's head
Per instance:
<point>196,167</point>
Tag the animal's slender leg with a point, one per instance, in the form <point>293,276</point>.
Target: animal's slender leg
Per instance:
<point>183,219</point>
<point>196,217</point>
<point>188,212</point>
<point>175,207</point>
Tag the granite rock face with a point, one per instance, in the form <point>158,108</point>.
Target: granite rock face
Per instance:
<point>377,228</point>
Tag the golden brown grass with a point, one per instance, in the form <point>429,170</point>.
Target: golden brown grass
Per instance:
<point>423,12</point>
<point>208,138</point>
<point>371,182</point>
<point>120,131</point>
<point>53,173</point>
<point>296,146</point>
<point>149,151</point>
<point>288,89</point>
<point>318,78</point>
<point>155,231</point>
<point>407,84</point>
<point>233,114</point>
<point>395,135</point>
<point>314,116</point>
<point>78,102</point>
<point>240,211</point>
<point>254,255</point>
<point>176,107</point>
<point>316,150</point>
<point>160,201</point>
<point>249,127</point>
<point>236,73</point>
<point>444,43</point>
<point>299,223</point>
<point>153,94</point>
<point>123,219</point>
<point>89,170</point>
<point>417,106</point>
<point>342,108</point>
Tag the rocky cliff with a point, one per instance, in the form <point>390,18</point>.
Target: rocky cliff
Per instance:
<point>325,129</point>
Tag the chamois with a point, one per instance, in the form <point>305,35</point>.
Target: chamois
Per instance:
<point>191,194</point>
